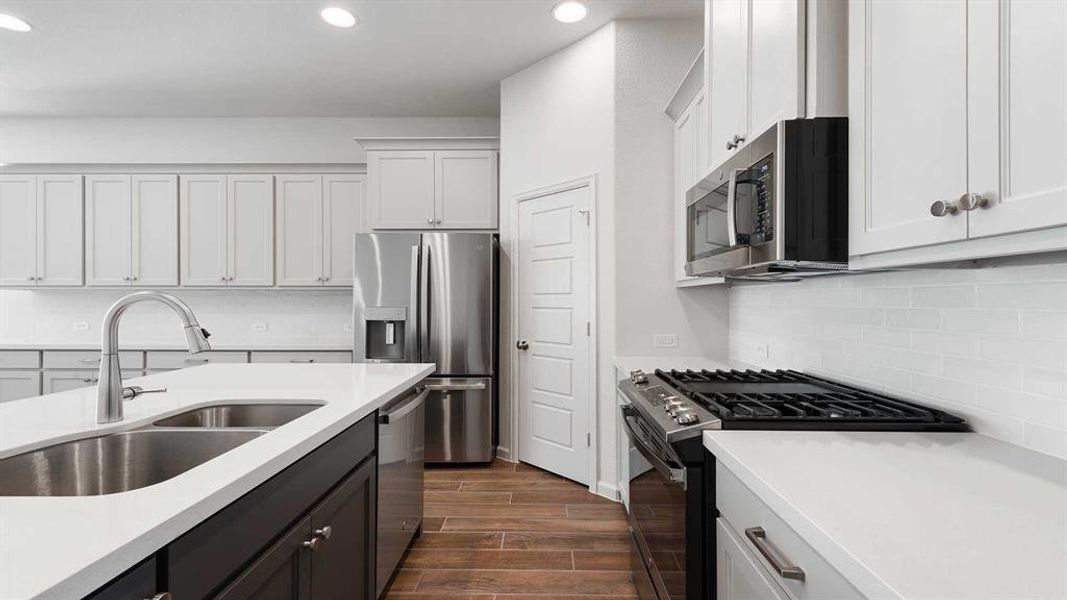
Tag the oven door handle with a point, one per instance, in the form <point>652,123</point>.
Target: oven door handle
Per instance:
<point>662,464</point>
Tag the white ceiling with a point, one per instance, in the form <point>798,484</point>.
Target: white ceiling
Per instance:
<point>221,58</point>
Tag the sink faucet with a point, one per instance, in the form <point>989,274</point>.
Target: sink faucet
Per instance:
<point>109,390</point>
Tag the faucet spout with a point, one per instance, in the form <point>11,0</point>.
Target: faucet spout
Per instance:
<point>109,389</point>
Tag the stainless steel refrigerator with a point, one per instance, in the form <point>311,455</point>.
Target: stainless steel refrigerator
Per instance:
<point>432,297</point>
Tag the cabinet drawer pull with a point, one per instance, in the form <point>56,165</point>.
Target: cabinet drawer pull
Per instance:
<point>302,360</point>
<point>784,568</point>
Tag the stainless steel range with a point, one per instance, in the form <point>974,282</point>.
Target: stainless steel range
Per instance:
<point>671,499</point>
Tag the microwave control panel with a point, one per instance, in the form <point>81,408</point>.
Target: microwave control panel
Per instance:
<point>759,179</point>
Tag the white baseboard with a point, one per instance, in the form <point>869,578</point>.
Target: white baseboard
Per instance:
<point>607,490</point>
<point>504,453</point>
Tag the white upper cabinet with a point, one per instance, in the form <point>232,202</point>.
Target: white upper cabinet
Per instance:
<point>401,191</point>
<point>316,218</point>
<point>40,230</point>
<point>432,183</point>
<point>727,64</point>
<point>227,230</point>
<point>344,215</point>
<point>908,147</point>
<point>776,62</point>
<point>131,230</point>
<point>942,176</point>
<point>465,191</point>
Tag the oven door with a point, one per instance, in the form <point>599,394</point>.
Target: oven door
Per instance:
<point>656,512</point>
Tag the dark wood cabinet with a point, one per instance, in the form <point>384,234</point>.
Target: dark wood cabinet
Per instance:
<point>281,573</point>
<point>342,564</point>
<point>139,583</point>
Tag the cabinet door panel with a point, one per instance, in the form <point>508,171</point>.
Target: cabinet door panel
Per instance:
<point>343,566</point>
<point>59,230</point>
<point>283,572</point>
<point>908,148</point>
<point>298,245</point>
<point>15,385</point>
<point>154,248</point>
<point>139,583</point>
<point>776,63</point>
<point>344,216</point>
<point>1033,120</point>
<point>739,577</point>
<point>465,192</point>
<point>401,189</point>
<point>727,75</point>
<point>64,381</point>
<point>18,230</point>
<point>203,229</point>
<point>250,243</point>
<point>108,222</point>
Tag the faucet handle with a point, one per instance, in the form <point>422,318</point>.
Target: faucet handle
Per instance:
<point>131,392</point>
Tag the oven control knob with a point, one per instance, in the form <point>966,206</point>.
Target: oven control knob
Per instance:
<point>638,376</point>
<point>686,417</point>
<point>672,405</point>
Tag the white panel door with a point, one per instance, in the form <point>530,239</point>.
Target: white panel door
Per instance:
<point>739,577</point>
<point>154,238</point>
<point>250,243</point>
<point>776,63</point>
<point>401,189</point>
<point>16,385</point>
<point>554,369</point>
<point>203,230</point>
<point>108,224</point>
<point>1033,120</point>
<point>344,215</point>
<point>465,193</point>
<point>298,244</point>
<point>727,75</point>
<point>18,230</point>
<point>59,230</point>
<point>908,122</point>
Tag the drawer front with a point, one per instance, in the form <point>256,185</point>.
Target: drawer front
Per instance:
<point>19,359</point>
<point>739,575</point>
<point>301,357</point>
<point>180,359</point>
<point>206,557</point>
<point>89,359</point>
<point>55,381</point>
<point>743,510</point>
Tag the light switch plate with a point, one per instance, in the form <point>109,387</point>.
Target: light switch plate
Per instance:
<point>260,326</point>
<point>665,340</point>
<point>81,326</point>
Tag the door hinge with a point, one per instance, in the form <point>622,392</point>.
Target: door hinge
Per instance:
<point>588,439</point>
<point>588,329</point>
<point>585,213</point>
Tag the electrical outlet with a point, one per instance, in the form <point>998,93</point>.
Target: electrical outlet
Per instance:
<point>81,326</point>
<point>260,327</point>
<point>665,340</point>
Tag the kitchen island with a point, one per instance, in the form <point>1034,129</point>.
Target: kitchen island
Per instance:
<point>68,547</point>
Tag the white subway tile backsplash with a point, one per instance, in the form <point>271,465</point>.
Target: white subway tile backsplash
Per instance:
<point>989,344</point>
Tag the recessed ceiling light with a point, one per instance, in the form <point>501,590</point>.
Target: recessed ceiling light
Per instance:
<point>14,24</point>
<point>338,17</point>
<point>570,11</point>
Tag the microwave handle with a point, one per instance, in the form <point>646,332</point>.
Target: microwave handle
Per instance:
<point>731,207</point>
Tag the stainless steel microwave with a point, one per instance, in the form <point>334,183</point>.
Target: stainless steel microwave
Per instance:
<point>778,208</point>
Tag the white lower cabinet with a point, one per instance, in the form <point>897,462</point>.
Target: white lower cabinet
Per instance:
<point>169,360</point>
<point>267,356</point>
<point>62,381</point>
<point>15,385</point>
<point>738,576</point>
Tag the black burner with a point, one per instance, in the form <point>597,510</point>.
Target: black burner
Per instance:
<point>792,400</point>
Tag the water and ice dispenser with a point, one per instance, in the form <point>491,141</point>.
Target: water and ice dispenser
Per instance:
<point>385,330</point>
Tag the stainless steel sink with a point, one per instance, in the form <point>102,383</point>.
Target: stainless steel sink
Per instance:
<point>239,415</point>
<point>114,463</point>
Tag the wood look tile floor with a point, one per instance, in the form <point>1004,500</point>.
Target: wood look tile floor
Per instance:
<point>514,532</point>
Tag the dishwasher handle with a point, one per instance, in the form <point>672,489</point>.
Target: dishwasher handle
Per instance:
<point>384,418</point>
<point>456,387</point>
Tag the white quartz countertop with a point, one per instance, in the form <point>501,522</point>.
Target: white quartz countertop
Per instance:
<point>273,346</point>
<point>66,547</point>
<point>911,515</point>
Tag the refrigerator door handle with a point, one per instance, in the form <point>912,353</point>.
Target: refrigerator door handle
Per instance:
<point>411,351</point>
<point>424,306</point>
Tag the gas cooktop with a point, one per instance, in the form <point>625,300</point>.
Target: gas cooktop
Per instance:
<point>682,403</point>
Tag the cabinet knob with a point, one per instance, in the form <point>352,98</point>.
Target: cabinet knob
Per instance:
<point>325,279</point>
<point>161,596</point>
<point>438,221</point>
<point>730,145</point>
<point>324,533</point>
<point>738,138</point>
<point>312,544</point>
<point>973,201</point>
<point>522,345</point>
<point>941,208</point>
<point>31,278</point>
<point>429,221</point>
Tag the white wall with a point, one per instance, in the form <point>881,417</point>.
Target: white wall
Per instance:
<point>596,108</point>
<point>213,140</point>
<point>987,344</point>
<point>294,318</point>
<point>652,57</point>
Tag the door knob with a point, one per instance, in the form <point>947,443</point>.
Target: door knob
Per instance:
<point>522,345</point>
<point>941,208</point>
<point>973,201</point>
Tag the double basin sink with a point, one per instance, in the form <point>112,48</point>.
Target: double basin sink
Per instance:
<point>128,460</point>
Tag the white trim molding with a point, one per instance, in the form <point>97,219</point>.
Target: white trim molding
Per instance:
<point>429,143</point>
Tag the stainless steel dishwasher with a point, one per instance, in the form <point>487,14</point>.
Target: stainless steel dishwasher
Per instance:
<point>401,454</point>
